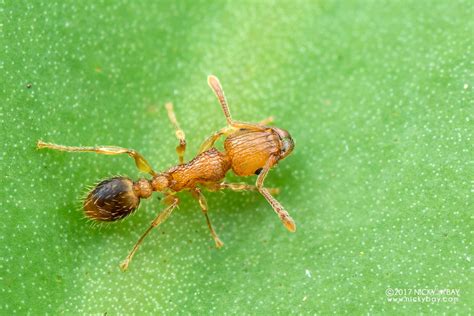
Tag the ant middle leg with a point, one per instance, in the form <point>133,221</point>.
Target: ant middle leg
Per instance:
<point>181,148</point>
<point>140,161</point>
<point>237,187</point>
<point>173,200</point>
<point>203,204</point>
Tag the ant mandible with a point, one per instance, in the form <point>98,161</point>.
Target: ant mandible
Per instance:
<point>249,149</point>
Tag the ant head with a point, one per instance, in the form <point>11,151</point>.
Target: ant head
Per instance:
<point>287,143</point>
<point>112,199</point>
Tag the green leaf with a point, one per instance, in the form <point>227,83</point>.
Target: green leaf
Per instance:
<point>377,95</point>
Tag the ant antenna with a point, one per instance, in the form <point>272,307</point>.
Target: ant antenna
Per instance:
<point>217,88</point>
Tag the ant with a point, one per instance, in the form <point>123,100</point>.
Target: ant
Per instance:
<point>249,149</point>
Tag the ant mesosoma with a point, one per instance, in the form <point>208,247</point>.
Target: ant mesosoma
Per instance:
<point>248,149</point>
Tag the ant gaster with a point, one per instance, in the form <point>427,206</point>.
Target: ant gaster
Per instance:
<point>249,148</point>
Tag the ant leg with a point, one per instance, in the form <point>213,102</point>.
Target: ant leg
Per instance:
<point>277,207</point>
<point>140,161</point>
<point>157,221</point>
<point>203,204</point>
<point>209,142</point>
<point>181,148</point>
<point>232,125</point>
<point>267,121</point>
<point>266,192</point>
<point>238,187</point>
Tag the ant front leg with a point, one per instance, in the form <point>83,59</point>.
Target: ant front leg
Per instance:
<point>173,203</point>
<point>277,207</point>
<point>140,161</point>
<point>267,121</point>
<point>209,142</point>
<point>196,192</point>
<point>181,148</point>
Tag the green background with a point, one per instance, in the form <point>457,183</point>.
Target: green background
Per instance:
<point>377,95</point>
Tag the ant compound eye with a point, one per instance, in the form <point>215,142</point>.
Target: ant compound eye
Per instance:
<point>286,141</point>
<point>111,200</point>
<point>288,145</point>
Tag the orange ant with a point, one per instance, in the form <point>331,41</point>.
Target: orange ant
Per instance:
<point>248,149</point>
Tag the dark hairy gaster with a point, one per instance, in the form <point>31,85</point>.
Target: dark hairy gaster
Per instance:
<point>111,200</point>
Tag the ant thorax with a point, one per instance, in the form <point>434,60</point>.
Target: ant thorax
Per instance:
<point>209,166</point>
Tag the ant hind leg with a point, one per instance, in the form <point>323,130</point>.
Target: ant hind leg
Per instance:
<point>181,148</point>
<point>140,161</point>
<point>157,221</point>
